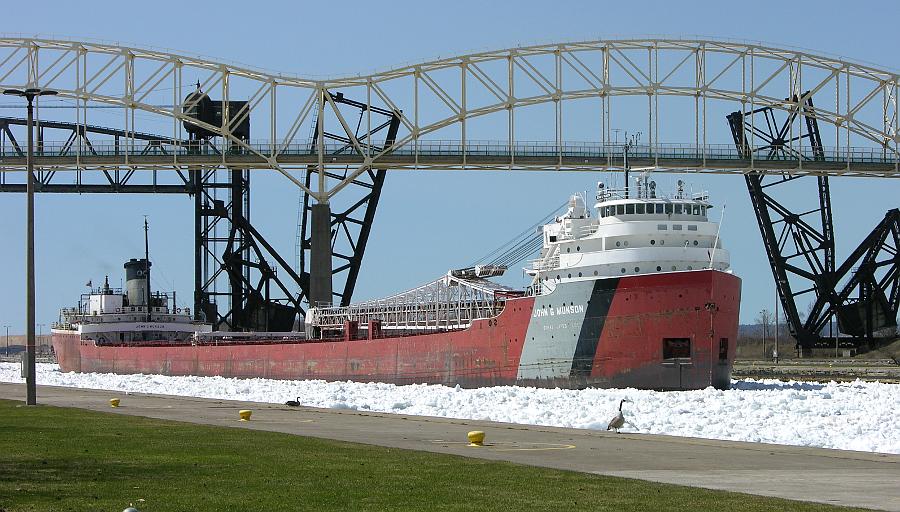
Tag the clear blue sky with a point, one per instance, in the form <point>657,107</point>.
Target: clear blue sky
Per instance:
<point>427,222</point>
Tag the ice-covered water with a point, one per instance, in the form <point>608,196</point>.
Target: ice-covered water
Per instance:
<point>854,416</point>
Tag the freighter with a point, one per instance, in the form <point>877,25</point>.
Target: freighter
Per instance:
<point>636,293</point>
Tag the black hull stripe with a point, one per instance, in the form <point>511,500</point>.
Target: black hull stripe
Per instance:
<point>595,316</point>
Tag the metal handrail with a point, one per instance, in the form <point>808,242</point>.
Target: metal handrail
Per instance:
<point>131,148</point>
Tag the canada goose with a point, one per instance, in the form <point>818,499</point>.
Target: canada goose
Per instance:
<point>619,421</point>
<point>293,403</point>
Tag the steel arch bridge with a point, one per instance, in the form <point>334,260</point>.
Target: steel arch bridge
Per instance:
<point>557,106</point>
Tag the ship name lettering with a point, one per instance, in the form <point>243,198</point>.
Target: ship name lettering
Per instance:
<point>570,310</point>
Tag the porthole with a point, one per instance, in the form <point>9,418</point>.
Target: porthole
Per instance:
<point>626,243</point>
<point>690,267</point>
<point>557,276</point>
<point>662,242</point>
<point>595,272</point>
<point>618,244</point>
<point>570,276</point>
<point>577,248</point>
<point>696,242</point>
<point>673,267</point>
<point>568,249</point>
<point>623,270</point>
<point>579,274</point>
<point>637,269</point>
<point>658,268</point>
<point>652,242</point>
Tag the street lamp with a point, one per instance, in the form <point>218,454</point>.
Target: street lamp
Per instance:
<point>29,94</point>
<point>7,340</point>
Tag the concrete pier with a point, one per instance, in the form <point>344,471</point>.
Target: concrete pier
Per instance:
<point>809,474</point>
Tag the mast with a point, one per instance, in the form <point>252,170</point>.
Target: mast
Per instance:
<point>147,268</point>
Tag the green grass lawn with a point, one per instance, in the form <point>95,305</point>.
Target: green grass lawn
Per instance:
<point>54,459</point>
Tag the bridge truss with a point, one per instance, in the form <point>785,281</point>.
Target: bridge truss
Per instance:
<point>543,99</point>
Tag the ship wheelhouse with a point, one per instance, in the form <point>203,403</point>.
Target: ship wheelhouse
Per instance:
<point>631,233</point>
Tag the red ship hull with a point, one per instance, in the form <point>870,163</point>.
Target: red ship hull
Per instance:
<point>607,333</point>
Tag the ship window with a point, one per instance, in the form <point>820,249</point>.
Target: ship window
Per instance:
<point>640,209</point>
<point>625,243</point>
<point>652,242</point>
<point>658,268</point>
<point>557,276</point>
<point>674,267</point>
<point>662,227</point>
<point>696,242</point>
<point>570,276</point>
<point>723,349</point>
<point>618,244</point>
<point>579,274</point>
<point>676,348</point>
<point>696,209</point>
<point>620,209</point>
<point>577,248</point>
<point>676,227</point>
<point>690,267</point>
<point>637,269</point>
<point>692,228</point>
<point>703,211</point>
<point>552,238</point>
<point>623,270</point>
<point>669,208</point>
<point>629,208</point>
<point>660,208</point>
<point>678,209</point>
<point>568,249</point>
<point>662,242</point>
<point>595,272</point>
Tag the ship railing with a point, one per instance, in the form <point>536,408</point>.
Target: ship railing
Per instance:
<point>545,263</point>
<point>420,317</point>
<point>548,261</point>
<point>644,191</point>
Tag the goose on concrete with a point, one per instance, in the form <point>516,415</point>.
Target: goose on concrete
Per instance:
<point>619,420</point>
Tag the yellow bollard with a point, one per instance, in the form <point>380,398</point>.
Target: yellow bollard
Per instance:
<point>113,402</point>
<point>245,414</point>
<point>476,438</point>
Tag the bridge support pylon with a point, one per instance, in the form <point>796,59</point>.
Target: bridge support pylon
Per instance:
<point>320,255</point>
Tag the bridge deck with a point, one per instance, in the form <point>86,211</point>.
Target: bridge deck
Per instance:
<point>726,159</point>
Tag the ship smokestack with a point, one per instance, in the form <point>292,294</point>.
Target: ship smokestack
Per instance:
<point>136,281</point>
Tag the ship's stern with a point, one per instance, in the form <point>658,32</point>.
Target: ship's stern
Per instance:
<point>67,349</point>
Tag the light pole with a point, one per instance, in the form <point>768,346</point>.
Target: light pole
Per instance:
<point>7,341</point>
<point>30,388</point>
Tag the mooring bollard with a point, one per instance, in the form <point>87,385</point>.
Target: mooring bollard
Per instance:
<point>113,402</point>
<point>476,438</point>
<point>245,414</point>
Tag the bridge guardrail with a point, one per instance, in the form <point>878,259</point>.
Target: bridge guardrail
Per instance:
<point>451,148</point>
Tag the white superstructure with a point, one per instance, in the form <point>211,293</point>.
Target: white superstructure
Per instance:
<point>106,316</point>
<point>631,233</point>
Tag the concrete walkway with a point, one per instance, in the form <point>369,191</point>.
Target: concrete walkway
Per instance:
<point>809,474</point>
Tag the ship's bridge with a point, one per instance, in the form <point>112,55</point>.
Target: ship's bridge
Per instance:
<point>635,231</point>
